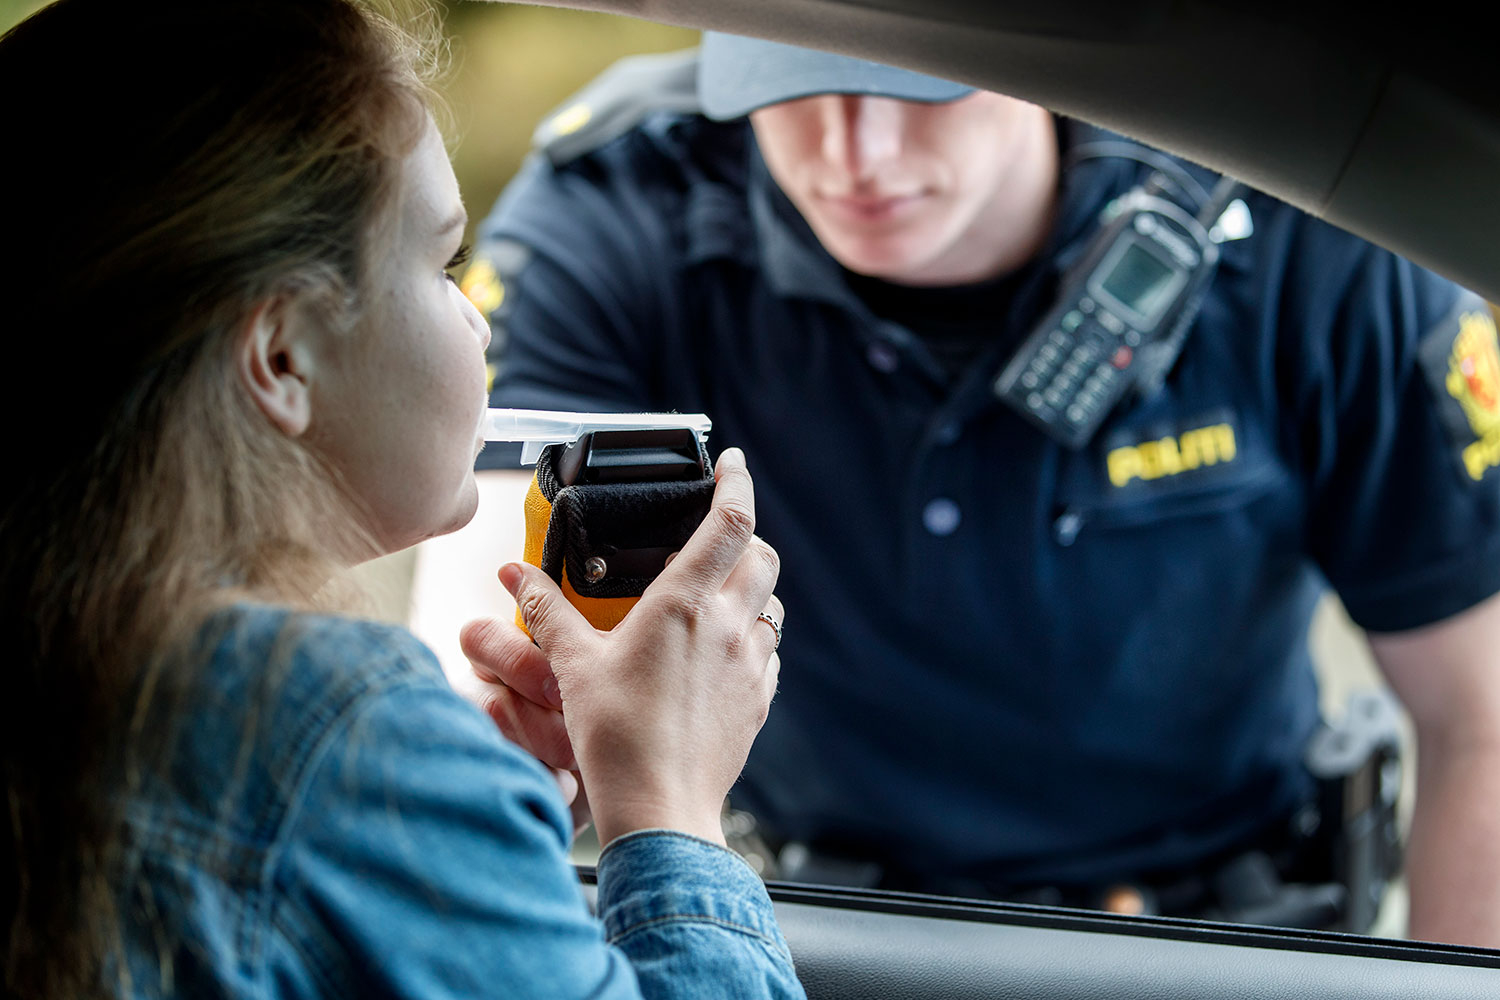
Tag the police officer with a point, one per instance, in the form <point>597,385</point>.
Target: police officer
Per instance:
<point>1014,667</point>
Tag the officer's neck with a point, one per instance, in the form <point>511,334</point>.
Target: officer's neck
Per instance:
<point>1013,225</point>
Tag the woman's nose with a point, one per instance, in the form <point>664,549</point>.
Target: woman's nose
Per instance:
<point>477,319</point>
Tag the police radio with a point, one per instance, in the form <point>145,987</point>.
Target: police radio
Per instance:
<point>1122,314</point>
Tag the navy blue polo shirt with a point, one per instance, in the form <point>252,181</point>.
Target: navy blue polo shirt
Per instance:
<point>1006,660</point>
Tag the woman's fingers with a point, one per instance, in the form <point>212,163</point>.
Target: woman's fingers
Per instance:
<point>560,629</point>
<point>520,691</point>
<point>771,677</point>
<point>768,626</point>
<point>714,550</point>
<point>500,653</point>
<point>539,731</point>
<point>567,783</point>
<point>578,801</point>
<point>754,577</point>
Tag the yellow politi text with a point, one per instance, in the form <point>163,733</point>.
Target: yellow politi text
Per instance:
<point>1171,456</point>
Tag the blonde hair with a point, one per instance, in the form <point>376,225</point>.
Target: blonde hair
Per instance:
<point>252,148</point>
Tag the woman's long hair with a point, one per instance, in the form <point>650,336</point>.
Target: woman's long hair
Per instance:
<point>169,165</point>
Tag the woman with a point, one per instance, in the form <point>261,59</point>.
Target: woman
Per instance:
<point>224,269</point>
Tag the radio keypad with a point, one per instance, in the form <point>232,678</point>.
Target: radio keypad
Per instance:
<point>1076,368</point>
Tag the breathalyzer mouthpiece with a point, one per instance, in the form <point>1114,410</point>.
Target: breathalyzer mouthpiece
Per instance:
<point>536,429</point>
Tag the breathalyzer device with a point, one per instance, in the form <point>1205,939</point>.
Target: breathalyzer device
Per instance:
<point>1122,314</point>
<point>614,494</point>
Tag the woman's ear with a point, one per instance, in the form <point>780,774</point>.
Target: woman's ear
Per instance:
<point>275,362</point>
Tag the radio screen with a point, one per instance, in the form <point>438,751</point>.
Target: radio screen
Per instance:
<point>1141,282</point>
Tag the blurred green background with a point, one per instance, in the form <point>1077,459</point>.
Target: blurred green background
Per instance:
<point>511,65</point>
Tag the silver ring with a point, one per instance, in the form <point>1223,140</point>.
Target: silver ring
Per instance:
<point>775,627</point>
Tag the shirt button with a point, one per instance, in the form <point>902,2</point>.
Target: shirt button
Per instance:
<point>947,433</point>
<point>941,516</point>
<point>882,357</point>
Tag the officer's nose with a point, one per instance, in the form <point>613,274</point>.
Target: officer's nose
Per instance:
<point>861,133</point>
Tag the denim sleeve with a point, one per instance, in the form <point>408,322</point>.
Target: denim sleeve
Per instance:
<point>427,857</point>
<point>687,911</point>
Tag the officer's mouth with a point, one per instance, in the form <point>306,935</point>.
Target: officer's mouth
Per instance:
<point>872,208</point>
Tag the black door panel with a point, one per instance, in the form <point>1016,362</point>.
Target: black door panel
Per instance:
<point>862,946</point>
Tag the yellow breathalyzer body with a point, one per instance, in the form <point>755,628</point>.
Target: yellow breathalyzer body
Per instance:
<point>601,612</point>
<point>609,504</point>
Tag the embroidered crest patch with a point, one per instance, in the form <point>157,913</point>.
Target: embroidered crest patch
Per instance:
<point>1462,360</point>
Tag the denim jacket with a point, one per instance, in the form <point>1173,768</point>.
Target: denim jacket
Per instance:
<point>335,821</point>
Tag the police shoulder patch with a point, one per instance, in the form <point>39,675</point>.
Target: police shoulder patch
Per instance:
<point>616,101</point>
<point>1461,358</point>
<point>490,284</point>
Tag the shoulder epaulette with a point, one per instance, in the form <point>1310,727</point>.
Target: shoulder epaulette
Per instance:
<point>616,101</point>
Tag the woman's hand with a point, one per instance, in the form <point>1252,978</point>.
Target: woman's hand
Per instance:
<point>518,691</point>
<point>659,713</point>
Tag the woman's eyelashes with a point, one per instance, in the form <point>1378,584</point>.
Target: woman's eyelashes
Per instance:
<point>459,259</point>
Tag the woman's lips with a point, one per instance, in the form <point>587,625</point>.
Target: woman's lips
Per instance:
<point>483,424</point>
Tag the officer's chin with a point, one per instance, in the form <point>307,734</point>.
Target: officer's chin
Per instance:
<point>885,256</point>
